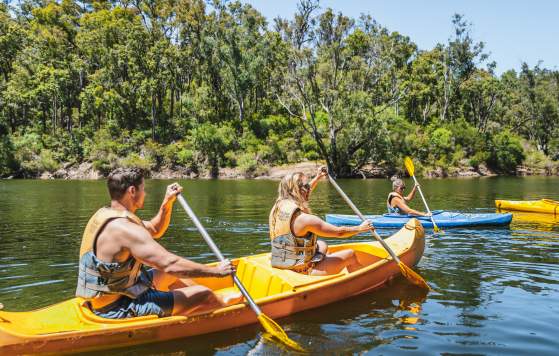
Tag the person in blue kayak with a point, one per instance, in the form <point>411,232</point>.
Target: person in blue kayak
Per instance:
<point>117,245</point>
<point>294,230</point>
<point>397,202</point>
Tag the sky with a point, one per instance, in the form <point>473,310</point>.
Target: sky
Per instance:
<point>514,31</point>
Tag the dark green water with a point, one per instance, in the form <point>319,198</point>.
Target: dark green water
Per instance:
<point>496,290</point>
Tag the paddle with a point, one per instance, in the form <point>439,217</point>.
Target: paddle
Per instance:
<point>269,325</point>
<point>407,272</point>
<point>409,166</point>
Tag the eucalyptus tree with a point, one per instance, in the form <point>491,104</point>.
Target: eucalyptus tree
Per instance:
<point>340,77</point>
<point>12,41</point>
<point>540,89</point>
<point>461,57</point>
<point>114,52</point>
<point>240,48</point>
<point>422,101</point>
<point>481,92</point>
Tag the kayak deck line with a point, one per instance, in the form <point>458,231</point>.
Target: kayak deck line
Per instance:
<point>546,206</point>
<point>69,326</point>
<point>446,219</point>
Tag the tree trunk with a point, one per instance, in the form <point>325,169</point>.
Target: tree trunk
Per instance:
<point>44,118</point>
<point>153,117</point>
<point>241,103</point>
<point>172,104</point>
<point>54,116</point>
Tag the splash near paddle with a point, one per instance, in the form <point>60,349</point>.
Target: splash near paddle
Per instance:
<point>278,333</point>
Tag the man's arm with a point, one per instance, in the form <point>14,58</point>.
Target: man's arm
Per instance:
<point>142,246</point>
<point>305,223</point>
<point>160,222</point>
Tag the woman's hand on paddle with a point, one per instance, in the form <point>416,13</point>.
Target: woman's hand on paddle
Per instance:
<point>322,172</point>
<point>172,191</point>
<point>225,268</point>
<point>365,226</point>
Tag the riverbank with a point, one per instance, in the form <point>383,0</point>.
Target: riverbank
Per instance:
<point>86,171</point>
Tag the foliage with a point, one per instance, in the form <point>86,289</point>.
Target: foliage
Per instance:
<point>505,152</point>
<point>205,85</point>
<point>7,161</point>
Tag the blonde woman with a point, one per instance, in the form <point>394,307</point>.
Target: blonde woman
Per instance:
<point>294,230</point>
<point>397,202</point>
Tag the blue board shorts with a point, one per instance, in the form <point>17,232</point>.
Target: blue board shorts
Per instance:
<point>151,302</point>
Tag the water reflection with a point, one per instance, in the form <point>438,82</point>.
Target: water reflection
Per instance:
<point>534,221</point>
<point>496,290</point>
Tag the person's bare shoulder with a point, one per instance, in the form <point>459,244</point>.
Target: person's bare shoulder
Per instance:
<point>125,232</point>
<point>303,221</point>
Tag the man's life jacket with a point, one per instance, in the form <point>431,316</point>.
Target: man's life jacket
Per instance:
<point>290,251</point>
<point>97,278</point>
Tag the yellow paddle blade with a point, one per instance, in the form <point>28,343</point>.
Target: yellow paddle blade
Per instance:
<point>412,276</point>
<point>436,228</point>
<point>409,165</point>
<point>277,332</point>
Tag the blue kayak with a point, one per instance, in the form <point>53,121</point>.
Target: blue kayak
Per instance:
<point>442,219</point>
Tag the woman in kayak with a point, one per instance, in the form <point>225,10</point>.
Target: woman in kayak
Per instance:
<point>397,202</point>
<point>294,230</point>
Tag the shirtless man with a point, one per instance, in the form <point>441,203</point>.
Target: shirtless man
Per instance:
<point>116,245</point>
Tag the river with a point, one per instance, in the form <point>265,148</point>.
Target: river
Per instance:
<point>496,290</point>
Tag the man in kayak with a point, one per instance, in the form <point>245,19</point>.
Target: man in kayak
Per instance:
<point>397,202</point>
<point>294,230</point>
<point>116,245</point>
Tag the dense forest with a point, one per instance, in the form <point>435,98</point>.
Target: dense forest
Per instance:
<point>202,85</point>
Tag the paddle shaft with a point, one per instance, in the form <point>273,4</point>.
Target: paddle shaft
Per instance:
<point>216,251</point>
<point>358,213</point>
<point>424,201</point>
<point>421,194</point>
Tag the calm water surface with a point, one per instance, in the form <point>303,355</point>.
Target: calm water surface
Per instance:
<point>496,290</point>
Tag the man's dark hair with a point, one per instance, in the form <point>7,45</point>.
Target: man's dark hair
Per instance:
<point>121,179</point>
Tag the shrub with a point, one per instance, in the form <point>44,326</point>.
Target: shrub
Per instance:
<point>478,158</point>
<point>310,148</point>
<point>505,152</point>
<point>134,160</point>
<point>47,162</point>
<point>537,159</point>
<point>467,137</point>
<point>249,165</point>
<point>27,148</point>
<point>8,163</point>
<point>153,152</point>
<point>213,142</point>
<point>441,143</point>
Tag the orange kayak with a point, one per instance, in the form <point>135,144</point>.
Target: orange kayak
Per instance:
<point>536,206</point>
<point>70,326</point>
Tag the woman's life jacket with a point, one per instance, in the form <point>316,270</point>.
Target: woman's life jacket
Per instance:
<point>290,251</point>
<point>396,209</point>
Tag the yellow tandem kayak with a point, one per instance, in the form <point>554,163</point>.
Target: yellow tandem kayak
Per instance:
<point>536,206</point>
<point>70,326</point>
